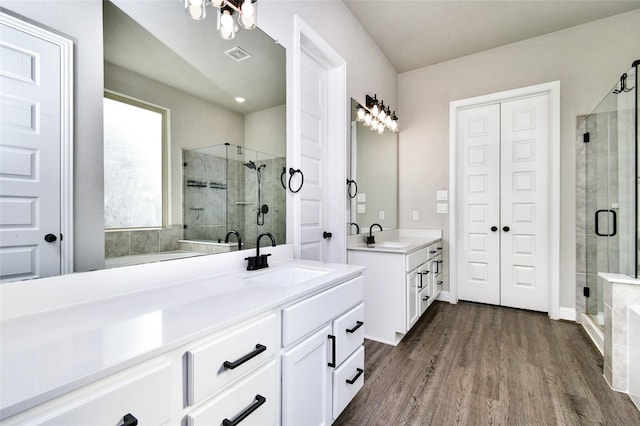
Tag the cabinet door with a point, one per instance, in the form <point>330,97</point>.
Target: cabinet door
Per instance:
<point>306,381</point>
<point>413,310</point>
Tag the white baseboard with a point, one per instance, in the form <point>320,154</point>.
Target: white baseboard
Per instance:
<point>594,332</point>
<point>444,296</point>
<point>567,314</point>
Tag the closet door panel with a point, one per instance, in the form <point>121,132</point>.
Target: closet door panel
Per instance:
<point>525,203</point>
<point>479,201</point>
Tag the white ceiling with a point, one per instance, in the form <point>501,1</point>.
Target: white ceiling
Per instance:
<point>416,33</point>
<point>189,55</point>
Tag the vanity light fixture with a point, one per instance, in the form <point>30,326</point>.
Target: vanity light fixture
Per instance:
<point>228,25</point>
<point>376,116</point>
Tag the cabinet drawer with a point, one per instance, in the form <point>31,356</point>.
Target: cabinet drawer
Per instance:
<point>304,317</point>
<point>144,394</point>
<point>416,258</point>
<point>257,394</point>
<point>206,369</point>
<point>343,390</point>
<point>349,332</point>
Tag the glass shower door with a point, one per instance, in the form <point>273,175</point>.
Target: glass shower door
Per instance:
<point>611,190</point>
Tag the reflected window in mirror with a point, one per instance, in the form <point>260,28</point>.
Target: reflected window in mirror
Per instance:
<point>134,163</point>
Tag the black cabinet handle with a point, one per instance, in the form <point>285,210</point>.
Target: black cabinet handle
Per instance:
<point>506,228</point>
<point>358,374</point>
<point>433,251</point>
<point>438,248</point>
<point>332,364</point>
<point>237,363</point>
<point>50,238</point>
<point>420,285</point>
<point>129,420</point>
<point>357,326</point>
<point>494,228</point>
<point>424,299</point>
<point>326,235</point>
<point>257,402</point>
<point>440,282</point>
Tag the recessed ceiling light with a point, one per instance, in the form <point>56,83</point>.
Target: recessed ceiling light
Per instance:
<point>239,99</point>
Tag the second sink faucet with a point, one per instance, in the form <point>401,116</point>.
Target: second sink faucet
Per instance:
<point>371,240</point>
<point>259,261</point>
<point>237,234</point>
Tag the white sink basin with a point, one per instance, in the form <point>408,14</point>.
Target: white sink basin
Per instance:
<point>286,276</point>
<point>391,244</point>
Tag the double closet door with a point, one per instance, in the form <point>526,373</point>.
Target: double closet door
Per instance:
<point>503,170</point>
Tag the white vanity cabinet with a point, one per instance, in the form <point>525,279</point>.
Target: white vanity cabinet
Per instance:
<point>400,286</point>
<point>323,340</point>
<point>139,395</point>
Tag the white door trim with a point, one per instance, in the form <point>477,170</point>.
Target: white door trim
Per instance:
<point>66,131</point>
<point>553,90</point>
<point>307,40</point>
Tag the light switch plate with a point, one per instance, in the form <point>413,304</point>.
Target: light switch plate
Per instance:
<point>362,208</point>
<point>381,214</point>
<point>416,215</point>
<point>442,208</point>
<point>442,195</point>
<point>362,197</point>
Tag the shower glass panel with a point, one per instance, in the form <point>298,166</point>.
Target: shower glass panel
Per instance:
<point>612,189</point>
<point>229,187</point>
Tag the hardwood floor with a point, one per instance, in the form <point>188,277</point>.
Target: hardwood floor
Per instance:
<point>475,364</point>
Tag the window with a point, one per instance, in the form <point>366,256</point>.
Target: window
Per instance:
<point>135,178</point>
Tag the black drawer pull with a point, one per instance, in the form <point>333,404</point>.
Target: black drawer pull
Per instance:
<point>426,298</point>
<point>433,251</point>
<point>439,283</point>
<point>358,374</point>
<point>357,326</point>
<point>237,363</point>
<point>438,248</point>
<point>332,364</point>
<point>257,402</point>
<point>129,420</point>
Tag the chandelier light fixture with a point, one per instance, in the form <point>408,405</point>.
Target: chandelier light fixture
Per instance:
<point>376,115</point>
<point>232,14</point>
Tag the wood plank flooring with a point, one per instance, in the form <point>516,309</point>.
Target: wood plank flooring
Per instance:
<point>474,364</point>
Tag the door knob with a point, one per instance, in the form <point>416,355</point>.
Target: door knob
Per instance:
<point>505,228</point>
<point>50,238</point>
<point>326,235</point>
<point>494,228</point>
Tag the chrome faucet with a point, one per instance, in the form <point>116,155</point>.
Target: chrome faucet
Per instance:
<point>237,234</point>
<point>259,261</point>
<point>371,239</point>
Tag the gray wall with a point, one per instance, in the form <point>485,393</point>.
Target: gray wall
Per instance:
<point>587,59</point>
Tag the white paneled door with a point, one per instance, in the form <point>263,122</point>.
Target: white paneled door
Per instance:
<point>313,155</point>
<point>504,203</point>
<point>30,144</point>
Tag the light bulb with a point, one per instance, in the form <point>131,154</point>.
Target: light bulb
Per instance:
<point>217,3</point>
<point>196,9</point>
<point>367,119</point>
<point>387,121</point>
<point>380,128</point>
<point>226,26</point>
<point>382,114</point>
<point>394,126</point>
<point>360,114</point>
<point>247,15</point>
<point>374,123</point>
<point>375,111</point>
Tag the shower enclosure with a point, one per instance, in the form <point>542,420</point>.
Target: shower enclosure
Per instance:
<point>610,141</point>
<point>228,187</point>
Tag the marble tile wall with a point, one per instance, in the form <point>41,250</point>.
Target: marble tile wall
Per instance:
<point>144,241</point>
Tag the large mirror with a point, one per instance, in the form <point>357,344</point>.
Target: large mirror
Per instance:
<point>373,164</point>
<point>225,111</point>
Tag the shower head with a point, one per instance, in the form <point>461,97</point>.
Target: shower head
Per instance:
<point>250,165</point>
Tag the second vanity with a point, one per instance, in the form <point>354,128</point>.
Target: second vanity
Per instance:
<point>283,345</point>
<point>404,275</point>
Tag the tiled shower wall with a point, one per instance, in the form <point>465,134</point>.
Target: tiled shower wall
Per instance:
<point>144,241</point>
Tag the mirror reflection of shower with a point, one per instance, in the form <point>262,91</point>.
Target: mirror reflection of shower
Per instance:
<point>229,187</point>
<point>261,209</point>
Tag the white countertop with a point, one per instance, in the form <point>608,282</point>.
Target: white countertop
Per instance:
<point>619,278</point>
<point>410,244</point>
<point>45,355</point>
